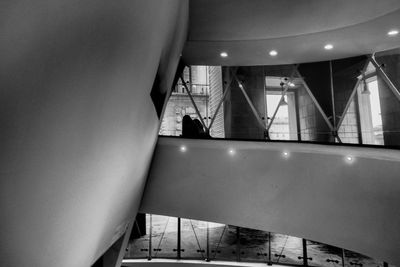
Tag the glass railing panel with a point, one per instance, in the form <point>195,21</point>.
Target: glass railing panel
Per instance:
<point>164,236</point>
<point>231,243</point>
<point>323,255</point>
<point>286,249</point>
<point>139,247</point>
<point>247,111</point>
<point>223,242</point>
<point>353,259</point>
<point>193,239</point>
<point>253,245</point>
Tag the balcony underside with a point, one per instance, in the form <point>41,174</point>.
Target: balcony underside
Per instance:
<point>314,191</point>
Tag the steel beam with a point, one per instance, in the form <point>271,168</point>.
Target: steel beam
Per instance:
<point>282,98</point>
<point>253,109</point>
<point>353,94</point>
<point>194,104</point>
<point>315,101</point>
<point>332,95</point>
<point>384,77</point>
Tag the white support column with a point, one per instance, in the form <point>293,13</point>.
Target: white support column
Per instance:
<point>227,89</point>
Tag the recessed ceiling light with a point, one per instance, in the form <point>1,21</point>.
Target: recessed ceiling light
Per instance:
<point>273,53</point>
<point>285,154</point>
<point>183,148</point>
<point>232,152</point>
<point>328,47</point>
<point>223,54</point>
<point>393,32</point>
<point>349,158</point>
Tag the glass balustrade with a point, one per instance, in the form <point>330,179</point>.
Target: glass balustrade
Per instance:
<point>345,101</point>
<point>208,241</point>
<point>193,239</point>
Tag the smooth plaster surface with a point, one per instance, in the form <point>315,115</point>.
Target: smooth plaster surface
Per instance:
<point>314,193</point>
<point>78,126</point>
<point>298,30</point>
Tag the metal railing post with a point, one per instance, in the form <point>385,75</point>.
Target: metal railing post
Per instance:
<point>179,239</point>
<point>208,242</point>
<point>150,236</point>
<point>269,249</point>
<point>305,257</point>
<point>343,258</point>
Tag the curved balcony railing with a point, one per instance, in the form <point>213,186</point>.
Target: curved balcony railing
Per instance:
<point>162,237</point>
<point>346,101</point>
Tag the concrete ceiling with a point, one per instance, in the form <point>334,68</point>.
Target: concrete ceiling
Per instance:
<point>248,29</point>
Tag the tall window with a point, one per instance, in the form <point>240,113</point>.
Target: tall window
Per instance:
<point>284,125</point>
<point>370,112</point>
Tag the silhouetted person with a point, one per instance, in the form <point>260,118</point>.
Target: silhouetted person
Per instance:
<point>199,127</point>
<point>201,131</point>
<point>193,128</point>
<point>189,128</point>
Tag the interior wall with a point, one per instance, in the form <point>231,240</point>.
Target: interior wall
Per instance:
<point>78,126</point>
<point>313,193</point>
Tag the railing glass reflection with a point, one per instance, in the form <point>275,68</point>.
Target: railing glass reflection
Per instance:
<point>254,245</point>
<point>349,101</point>
<point>286,249</point>
<point>324,255</point>
<point>162,237</point>
<point>194,239</point>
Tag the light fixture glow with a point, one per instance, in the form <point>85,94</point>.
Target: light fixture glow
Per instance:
<point>393,32</point>
<point>328,47</point>
<point>349,158</point>
<point>223,54</point>
<point>273,53</point>
<point>231,152</point>
<point>183,148</point>
<point>285,154</point>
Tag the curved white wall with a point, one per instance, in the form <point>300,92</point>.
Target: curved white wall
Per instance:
<point>314,193</point>
<point>78,126</point>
